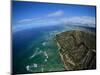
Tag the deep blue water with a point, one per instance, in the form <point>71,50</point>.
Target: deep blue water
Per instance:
<point>21,41</point>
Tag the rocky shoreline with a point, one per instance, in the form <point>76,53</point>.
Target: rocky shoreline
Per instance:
<point>77,49</point>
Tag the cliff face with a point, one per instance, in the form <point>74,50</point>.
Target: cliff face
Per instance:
<point>77,49</point>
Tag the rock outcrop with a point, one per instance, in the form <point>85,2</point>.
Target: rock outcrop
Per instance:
<point>77,49</point>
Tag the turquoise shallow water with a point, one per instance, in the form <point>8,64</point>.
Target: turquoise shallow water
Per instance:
<point>35,50</point>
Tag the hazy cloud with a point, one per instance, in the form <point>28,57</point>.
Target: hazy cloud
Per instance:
<point>80,20</point>
<point>49,15</point>
<point>24,20</point>
<point>54,18</point>
<point>55,14</point>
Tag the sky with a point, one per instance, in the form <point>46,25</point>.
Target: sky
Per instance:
<point>34,14</point>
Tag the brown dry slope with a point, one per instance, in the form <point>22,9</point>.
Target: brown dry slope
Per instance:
<point>77,49</point>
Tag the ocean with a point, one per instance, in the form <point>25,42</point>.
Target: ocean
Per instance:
<point>35,50</point>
